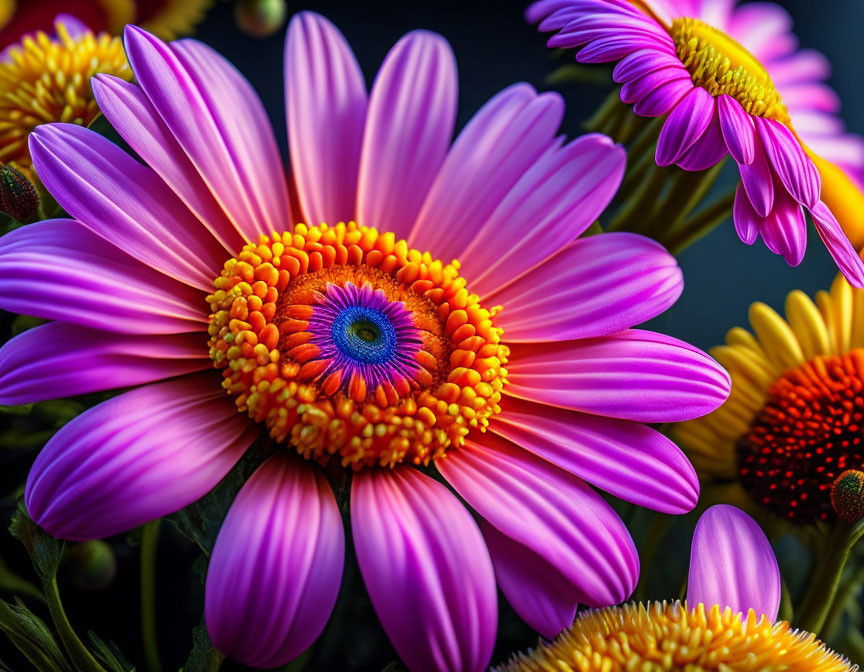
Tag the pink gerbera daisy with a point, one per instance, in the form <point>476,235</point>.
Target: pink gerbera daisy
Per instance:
<point>732,81</point>
<point>513,371</point>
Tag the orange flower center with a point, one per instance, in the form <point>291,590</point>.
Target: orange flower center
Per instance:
<point>345,342</point>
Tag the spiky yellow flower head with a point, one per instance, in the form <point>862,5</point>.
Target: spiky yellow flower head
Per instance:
<point>46,79</point>
<point>661,636</point>
<point>794,420</point>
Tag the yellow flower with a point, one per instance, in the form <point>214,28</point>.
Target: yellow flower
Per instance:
<point>47,79</point>
<point>669,636</point>
<point>793,421</point>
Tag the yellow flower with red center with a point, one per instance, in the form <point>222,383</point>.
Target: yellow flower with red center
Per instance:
<point>793,422</point>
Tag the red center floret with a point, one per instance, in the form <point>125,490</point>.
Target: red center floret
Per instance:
<point>807,434</point>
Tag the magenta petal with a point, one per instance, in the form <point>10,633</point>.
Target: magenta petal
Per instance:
<point>684,126</point>
<point>791,164</point>
<point>133,116</point>
<point>596,286</point>
<point>426,568</point>
<point>664,98</point>
<point>552,513</point>
<point>492,154</point>
<point>325,101</point>
<point>219,121</point>
<point>60,270</point>
<point>535,589</point>
<point>707,150</point>
<point>63,360</point>
<point>758,181</point>
<point>732,564</point>
<point>626,459</point>
<point>738,129</point>
<point>633,375</point>
<point>784,229</point>
<point>412,111</point>
<point>643,62</point>
<point>845,256</point>
<point>561,195</point>
<point>126,203</point>
<point>608,50</point>
<point>136,457</point>
<point>746,220</point>
<point>277,564</point>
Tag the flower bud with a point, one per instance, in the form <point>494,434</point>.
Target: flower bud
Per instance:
<point>847,495</point>
<point>91,565</point>
<point>260,18</point>
<point>18,197</point>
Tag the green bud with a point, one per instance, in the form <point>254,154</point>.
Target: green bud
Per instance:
<point>260,18</point>
<point>18,197</point>
<point>91,565</point>
<point>847,496</point>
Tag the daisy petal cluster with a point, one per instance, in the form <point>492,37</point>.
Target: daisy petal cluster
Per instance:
<point>427,306</point>
<point>731,81</point>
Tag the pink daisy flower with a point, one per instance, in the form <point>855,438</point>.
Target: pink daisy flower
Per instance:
<point>732,81</point>
<point>513,372</point>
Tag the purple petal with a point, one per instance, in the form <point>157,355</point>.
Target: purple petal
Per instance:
<point>664,98</point>
<point>707,150</point>
<point>560,195</point>
<point>746,220</point>
<point>126,203</point>
<point>632,375</point>
<point>426,568</point>
<point>136,120</point>
<point>608,50</point>
<point>63,360</point>
<point>794,168</point>
<point>643,62</point>
<point>136,457</point>
<point>596,286</point>
<point>219,121</point>
<point>575,9</point>
<point>60,270</point>
<point>506,138</point>
<point>684,126</point>
<point>537,591</point>
<point>732,564</point>
<point>738,129</point>
<point>277,564</point>
<point>845,256</point>
<point>325,101</point>
<point>784,229</point>
<point>412,111</point>
<point>539,10</point>
<point>552,513</point>
<point>626,459</point>
<point>758,180</point>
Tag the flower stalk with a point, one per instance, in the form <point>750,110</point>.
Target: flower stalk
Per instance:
<point>149,544</point>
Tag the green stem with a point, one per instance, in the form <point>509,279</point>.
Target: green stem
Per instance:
<point>635,211</point>
<point>656,533</point>
<point>149,542</point>
<point>822,590</point>
<point>700,224</point>
<point>607,115</point>
<point>81,658</point>
<point>848,591</point>
<point>686,190</point>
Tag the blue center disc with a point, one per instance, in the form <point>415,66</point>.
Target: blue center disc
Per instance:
<point>364,334</point>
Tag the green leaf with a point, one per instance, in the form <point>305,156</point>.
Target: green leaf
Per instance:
<point>109,655</point>
<point>576,73</point>
<point>17,410</point>
<point>203,657</point>
<point>32,637</point>
<point>44,550</point>
<point>201,520</point>
<point>11,582</point>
